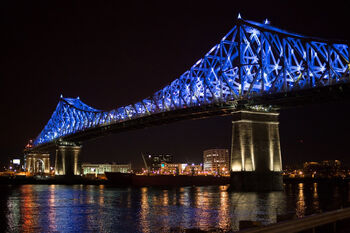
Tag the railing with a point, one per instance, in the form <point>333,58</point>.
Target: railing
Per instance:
<point>307,223</point>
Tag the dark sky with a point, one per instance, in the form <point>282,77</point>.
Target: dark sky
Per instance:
<point>110,54</point>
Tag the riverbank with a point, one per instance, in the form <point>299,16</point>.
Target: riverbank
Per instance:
<point>309,180</point>
<point>120,179</point>
<point>18,180</point>
<point>134,180</point>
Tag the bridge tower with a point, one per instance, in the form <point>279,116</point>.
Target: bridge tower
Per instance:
<point>67,161</point>
<point>255,151</point>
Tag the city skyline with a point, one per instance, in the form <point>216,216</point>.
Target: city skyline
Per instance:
<point>88,62</point>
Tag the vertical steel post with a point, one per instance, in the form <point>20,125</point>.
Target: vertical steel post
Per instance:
<point>329,65</point>
<point>349,60</point>
<point>307,46</point>
<point>240,58</point>
<point>284,65</point>
<point>261,63</point>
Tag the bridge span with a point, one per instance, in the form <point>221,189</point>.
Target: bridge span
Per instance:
<point>254,70</point>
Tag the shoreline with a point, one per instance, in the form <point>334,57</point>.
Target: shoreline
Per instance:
<point>154,181</point>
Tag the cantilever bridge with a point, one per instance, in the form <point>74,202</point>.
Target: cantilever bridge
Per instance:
<point>252,71</point>
<point>252,64</point>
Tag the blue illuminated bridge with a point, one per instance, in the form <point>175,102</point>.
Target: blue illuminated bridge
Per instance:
<point>255,67</point>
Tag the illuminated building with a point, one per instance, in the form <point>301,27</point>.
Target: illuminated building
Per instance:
<point>193,169</point>
<point>15,165</point>
<point>153,162</point>
<point>216,161</point>
<point>100,169</point>
<point>180,169</point>
<point>172,168</point>
<point>326,168</point>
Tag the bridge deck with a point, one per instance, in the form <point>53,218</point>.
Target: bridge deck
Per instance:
<point>278,101</point>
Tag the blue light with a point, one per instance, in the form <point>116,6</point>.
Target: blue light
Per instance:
<point>246,62</point>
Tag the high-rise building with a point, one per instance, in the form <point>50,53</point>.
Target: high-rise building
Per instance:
<point>216,161</point>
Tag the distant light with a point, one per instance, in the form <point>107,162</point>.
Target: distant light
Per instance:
<point>267,21</point>
<point>16,161</point>
<point>239,16</point>
<point>61,96</point>
<point>78,97</point>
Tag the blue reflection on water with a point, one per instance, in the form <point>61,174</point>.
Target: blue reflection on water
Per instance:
<point>81,208</point>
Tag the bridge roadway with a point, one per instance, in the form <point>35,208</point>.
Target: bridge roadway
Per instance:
<point>277,101</point>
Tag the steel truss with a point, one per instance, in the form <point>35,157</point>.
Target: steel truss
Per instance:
<point>253,59</point>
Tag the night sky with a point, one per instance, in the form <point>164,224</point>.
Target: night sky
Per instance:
<point>111,54</point>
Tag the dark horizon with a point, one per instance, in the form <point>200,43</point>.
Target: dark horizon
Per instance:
<point>111,55</point>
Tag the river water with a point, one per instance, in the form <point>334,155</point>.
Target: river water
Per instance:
<point>89,208</point>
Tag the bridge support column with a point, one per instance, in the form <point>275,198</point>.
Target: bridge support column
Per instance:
<point>67,159</point>
<point>255,152</point>
<point>37,163</point>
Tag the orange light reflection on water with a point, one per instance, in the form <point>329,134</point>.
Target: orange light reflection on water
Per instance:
<point>224,212</point>
<point>52,208</point>
<point>300,205</point>
<point>144,212</point>
<point>315,201</point>
<point>29,217</point>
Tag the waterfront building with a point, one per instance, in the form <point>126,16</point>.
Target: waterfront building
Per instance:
<point>326,168</point>
<point>15,164</point>
<point>171,168</point>
<point>193,169</point>
<point>154,162</point>
<point>216,161</point>
<point>313,169</point>
<point>180,169</point>
<point>100,169</point>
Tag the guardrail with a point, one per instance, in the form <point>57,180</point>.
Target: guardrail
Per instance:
<point>307,223</point>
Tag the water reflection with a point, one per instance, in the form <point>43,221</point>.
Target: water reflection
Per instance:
<point>300,208</point>
<point>315,201</point>
<point>79,208</point>
<point>224,213</point>
<point>144,212</point>
<point>51,208</point>
<point>28,208</point>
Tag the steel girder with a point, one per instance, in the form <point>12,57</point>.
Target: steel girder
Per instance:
<point>252,59</point>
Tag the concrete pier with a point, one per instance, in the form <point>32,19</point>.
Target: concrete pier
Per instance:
<point>255,152</point>
<point>67,159</point>
<point>38,163</point>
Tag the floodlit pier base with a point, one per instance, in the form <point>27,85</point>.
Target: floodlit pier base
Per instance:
<point>38,163</point>
<point>256,181</point>
<point>255,152</point>
<point>67,159</point>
